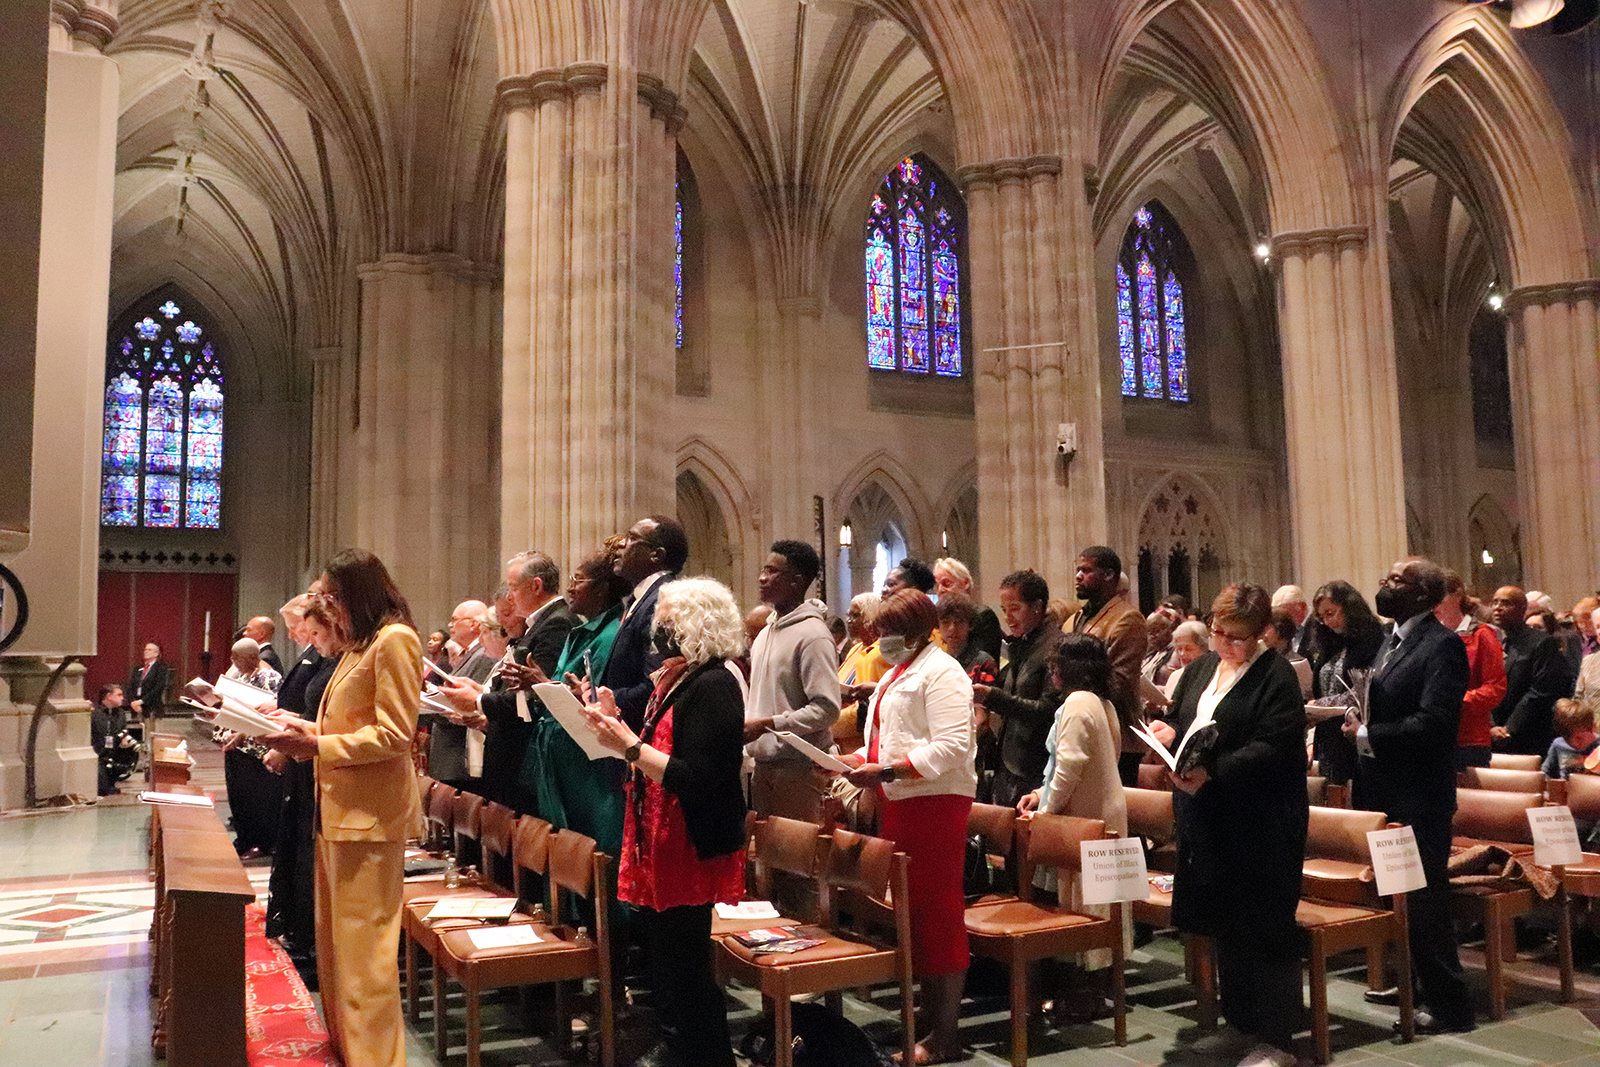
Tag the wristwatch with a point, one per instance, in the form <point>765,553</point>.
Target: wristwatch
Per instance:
<point>886,773</point>
<point>631,753</point>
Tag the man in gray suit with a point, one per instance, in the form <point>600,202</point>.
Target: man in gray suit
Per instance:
<point>447,741</point>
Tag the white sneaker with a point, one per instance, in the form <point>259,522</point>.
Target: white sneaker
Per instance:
<point>1226,1042</point>
<point>1265,1055</point>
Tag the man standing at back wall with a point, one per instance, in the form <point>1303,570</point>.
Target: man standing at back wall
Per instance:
<point>794,686</point>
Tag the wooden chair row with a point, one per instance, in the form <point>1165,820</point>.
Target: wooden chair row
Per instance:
<point>525,858</point>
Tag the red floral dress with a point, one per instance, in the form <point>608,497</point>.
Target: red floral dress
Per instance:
<point>660,868</point>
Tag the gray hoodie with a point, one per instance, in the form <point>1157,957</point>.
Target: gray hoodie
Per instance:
<point>794,677</point>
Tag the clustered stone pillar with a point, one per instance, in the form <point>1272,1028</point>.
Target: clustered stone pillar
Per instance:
<point>588,341</point>
<point>326,420</point>
<point>1555,401</point>
<point>1341,410</point>
<point>1035,369</point>
<point>423,448</point>
<point>794,468</point>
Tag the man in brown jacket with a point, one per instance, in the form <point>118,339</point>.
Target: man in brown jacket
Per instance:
<point>1106,614</point>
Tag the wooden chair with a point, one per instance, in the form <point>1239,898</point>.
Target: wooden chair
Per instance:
<point>1510,762</point>
<point>995,827</point>
<point>436,809</point>
<point>524,845</point>
<point>1150,817</point>
<point>1582,796</point>
<point>1334,880</point>
<point>777,844</point>
<point>1494,817</point>
<point>1018,932</point>
<point>562,954</point>
<point>1316,789</point>
<point>1502,779</point>
<point>866,933</point>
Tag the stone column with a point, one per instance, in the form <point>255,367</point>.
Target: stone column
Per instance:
<point>327,418</point>
<point>1341,409</point>
<point>1036,366</point>
<point>1555,397</point>
<point>61,563</point>
<point>588,359</point>
<point>422,452</point>
<point>790,409</point>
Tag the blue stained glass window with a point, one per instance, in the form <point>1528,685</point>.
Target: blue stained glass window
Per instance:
<point>1130,379</point>
<point>161,459</point>
<point>677,262</point>
<point>1152,338</point>
<point>1177,353</point>
<point>915,230</point>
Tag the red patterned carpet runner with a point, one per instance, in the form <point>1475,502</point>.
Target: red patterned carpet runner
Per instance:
<point>282,1026</point>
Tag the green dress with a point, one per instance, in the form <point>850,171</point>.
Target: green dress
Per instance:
<point>575,792</point>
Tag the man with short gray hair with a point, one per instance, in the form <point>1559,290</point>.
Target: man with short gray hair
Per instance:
<point>1291,600</point>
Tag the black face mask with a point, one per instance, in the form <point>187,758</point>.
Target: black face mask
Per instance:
<point>1398,604</point>
<point>665,642</point>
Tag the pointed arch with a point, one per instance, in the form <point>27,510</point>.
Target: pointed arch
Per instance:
<point>914,259</point>
<point>1154,270</point>
<point>1495,535</point>
<point>901,486</point>
<point>1469,101</point>
<point>1253,67</point>
<point>726,489</point>
<point>1185,542</point>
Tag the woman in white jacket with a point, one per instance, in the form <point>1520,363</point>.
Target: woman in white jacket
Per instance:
<point>1080,779</point>
<point>920,753</point>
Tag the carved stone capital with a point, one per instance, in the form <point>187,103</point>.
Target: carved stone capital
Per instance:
<point>663,102</point>
<point>1306,243</point>
<point>553,83</point>
<point>95,26</point>
<point>1007,170</point>
<point>432,263</point>
<point>800,306</point>
<point>64,13</point>
<point>1587,290</point>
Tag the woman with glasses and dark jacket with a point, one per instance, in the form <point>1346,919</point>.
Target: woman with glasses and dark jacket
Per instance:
<point>1241,815</point>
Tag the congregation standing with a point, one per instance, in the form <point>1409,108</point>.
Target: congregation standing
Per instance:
<point>934,701</point>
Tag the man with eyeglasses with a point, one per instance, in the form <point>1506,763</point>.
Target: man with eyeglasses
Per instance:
<point>653,550</point>
<point>1407,770</point>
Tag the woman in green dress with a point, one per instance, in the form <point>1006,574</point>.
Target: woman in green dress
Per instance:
<point>575,792</point>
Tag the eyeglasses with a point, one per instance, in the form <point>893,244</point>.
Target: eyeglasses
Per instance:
<point>580,579</point>
<point>1223,635</point>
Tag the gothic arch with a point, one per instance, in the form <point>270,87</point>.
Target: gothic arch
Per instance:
<point>723,486</point>
<point>1492,531</point>
<point>1184,543</point>
<point>957,510</point>
<point>897,482</point>
<point>1250,66</point>
<point>710,547</point>
<point>1469,101</point>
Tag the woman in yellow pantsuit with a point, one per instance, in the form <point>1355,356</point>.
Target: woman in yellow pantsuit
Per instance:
<point>367,806</point>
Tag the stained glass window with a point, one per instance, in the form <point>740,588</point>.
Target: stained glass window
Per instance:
<point>677,262</point>
<point>915,232</point>
<point>162,457</point>
<point>1152,337</point>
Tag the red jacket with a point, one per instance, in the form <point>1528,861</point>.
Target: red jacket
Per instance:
<point>1486,685</point>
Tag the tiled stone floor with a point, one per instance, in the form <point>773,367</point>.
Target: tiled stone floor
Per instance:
<point>85,1005</point>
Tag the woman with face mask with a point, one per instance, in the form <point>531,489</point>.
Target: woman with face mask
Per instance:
<point>919,751</point>
<point>683,828</point>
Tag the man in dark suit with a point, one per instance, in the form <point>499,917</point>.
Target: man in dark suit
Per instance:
<point>504,717</point>
<point>1537,675</point>
<point>148,683</point>
<point>653,551</point>
<point>261,630</point>
<point>1407,769</point>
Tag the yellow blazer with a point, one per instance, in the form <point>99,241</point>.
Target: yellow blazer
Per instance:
<point>365,782</point>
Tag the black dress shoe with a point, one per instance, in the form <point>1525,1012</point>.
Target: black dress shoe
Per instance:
<point>1427,1025</point>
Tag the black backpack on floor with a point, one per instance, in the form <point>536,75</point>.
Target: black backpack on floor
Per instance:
<point>822,1038</point>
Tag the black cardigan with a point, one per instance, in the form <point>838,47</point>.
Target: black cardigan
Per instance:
<point>707,753</point>
<point>1242,836</point>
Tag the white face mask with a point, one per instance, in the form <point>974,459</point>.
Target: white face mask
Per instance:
<point>892,647</point>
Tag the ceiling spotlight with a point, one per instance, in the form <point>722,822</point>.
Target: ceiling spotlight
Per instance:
<point>1496,301</point>
<point>1532,12</point>
<point>1263,251</point>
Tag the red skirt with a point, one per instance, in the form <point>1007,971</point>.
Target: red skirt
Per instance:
<point>932,830</point>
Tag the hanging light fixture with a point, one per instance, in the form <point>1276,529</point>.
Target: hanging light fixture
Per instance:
<point>1527,13</point>
<point>846,538</point>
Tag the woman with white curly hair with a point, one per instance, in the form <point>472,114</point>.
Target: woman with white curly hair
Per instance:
<point>683,832</point>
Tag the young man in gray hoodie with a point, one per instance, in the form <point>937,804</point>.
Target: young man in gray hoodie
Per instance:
<point>794,686</point>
